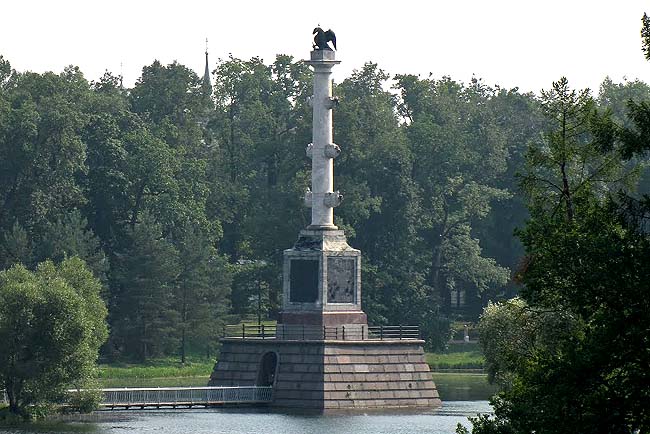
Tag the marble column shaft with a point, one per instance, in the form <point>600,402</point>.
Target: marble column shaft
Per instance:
<point>322,173</point>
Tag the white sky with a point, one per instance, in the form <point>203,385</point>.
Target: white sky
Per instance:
<point>523,43</point>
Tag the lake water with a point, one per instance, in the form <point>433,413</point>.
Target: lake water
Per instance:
<point>221,421</point>
<point>463,395</point>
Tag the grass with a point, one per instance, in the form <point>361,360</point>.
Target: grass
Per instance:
<point>195,381</point>
<point>156,373</point>
<point>457,356</point>
<point>272,323</point>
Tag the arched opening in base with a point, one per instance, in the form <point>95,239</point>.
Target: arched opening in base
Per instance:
<point>268,369</point>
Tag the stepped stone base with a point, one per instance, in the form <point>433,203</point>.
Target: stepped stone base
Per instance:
<point>333,375</point>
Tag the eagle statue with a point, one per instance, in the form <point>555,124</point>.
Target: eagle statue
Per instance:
<point>321,38</point>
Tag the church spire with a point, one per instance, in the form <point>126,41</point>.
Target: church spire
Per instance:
<point>206,74</point>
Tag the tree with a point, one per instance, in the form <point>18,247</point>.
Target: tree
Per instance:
<point>202,290</point>
<point>513,333</point>
<point>251,285</point>
<point>174,107</point>
<point>15,247</point>
<point>572,160</point>
<point>5,71</point>
<point>582,325</point>
<point>616,96</point>
<point>459,151</point>
<point>52,323</point>
<point>519,117</point>
<point>259,127</point>
<point>625,101</point>
<point>645,35</point>
<point>582,330</point>
<point>143,320</point>
<point>42,155</point>
<point>69,236</point>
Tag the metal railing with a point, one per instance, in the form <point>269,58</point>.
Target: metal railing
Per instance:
<point>183,396</point>
<point>178,396</point>
<point>298,332</point>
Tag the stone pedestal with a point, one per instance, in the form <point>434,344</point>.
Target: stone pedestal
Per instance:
<point>322,281</point>
<point>332,375</point>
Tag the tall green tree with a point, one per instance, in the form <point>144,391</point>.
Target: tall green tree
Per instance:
<point>174,105</point>
<point>579,331</point>
<point>142,316</point>
<point>69,236</point>
<point>15,247</point>
<point>645,35</point>
<point>520,119</point>
<point>582,314</point>
<point>459,152</point>
<point>42,155</point>
<point>201,291</point>
<point>620,98</point>
<point>259,130</point>
<point>52,323</point>
<point>570,160</point>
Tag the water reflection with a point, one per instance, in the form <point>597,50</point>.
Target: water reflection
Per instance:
<point>216,421</point>
<point>463,387</point>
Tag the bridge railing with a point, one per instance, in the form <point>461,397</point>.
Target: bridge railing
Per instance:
<point>353,332</point>
<point>166,396</point>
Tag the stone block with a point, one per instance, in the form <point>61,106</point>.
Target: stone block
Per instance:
<point>361,368</point>
<point>345,368</point>
<point>332,404</point>
<point>401,394</point>
<point>332,369</point>
<point>319,375</point>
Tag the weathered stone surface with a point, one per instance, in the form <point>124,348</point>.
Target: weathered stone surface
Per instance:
<point>329,375</point>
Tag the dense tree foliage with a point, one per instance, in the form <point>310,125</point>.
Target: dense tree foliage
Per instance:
<point>180,198</point>
<point>572,354</point>
<point>52,323</point>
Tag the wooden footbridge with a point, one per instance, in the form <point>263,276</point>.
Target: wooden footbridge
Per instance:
<point>175,397</point>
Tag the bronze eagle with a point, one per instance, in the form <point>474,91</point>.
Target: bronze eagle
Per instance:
<point>321,38</point>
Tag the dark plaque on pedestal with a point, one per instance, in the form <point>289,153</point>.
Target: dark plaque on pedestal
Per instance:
<point>340,280</point>
<point>303,281</point>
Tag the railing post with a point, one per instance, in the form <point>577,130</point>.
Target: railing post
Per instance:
<point>343,328</point>
<point>262,331</point>
<point>243,331</point>
<point>400,332</point>
<point>362,332</point>
<point>324,332</point>
<point>303,332</point>
<point>381,332</point>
